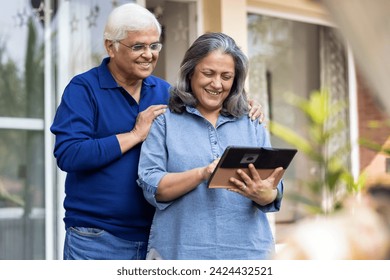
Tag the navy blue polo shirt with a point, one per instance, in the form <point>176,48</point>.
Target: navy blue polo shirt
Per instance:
<point>101,188</point>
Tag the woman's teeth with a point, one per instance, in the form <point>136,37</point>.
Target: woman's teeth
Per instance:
<point>213,92</point>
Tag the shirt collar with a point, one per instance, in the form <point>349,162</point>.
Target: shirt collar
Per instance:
<point>221,119</point>
<point>106,80</point>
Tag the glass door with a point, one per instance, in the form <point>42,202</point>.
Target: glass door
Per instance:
<point>22,165</point>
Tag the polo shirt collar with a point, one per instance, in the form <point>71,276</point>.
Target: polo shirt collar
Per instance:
<point>106,80</point>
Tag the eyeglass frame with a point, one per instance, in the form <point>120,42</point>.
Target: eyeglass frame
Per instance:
<point>144,46</point>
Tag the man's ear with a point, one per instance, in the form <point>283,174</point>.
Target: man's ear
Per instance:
<point>110,47</point>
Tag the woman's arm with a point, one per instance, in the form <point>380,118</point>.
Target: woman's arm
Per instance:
<point>174,185</point>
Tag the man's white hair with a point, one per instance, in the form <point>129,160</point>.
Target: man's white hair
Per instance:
<point>129,17</point>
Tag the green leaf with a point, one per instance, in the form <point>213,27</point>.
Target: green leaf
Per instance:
<point>290,137</point>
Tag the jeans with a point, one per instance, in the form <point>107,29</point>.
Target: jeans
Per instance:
<point>83,243</point>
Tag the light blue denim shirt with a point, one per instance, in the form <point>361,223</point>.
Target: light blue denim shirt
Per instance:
<point>205,223</point>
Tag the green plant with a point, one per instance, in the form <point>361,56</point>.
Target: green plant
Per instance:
<point>327,190</point>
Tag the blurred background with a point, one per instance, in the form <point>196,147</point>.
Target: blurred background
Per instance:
<point>319,69</point>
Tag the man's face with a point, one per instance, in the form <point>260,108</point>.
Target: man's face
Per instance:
<point>134,63</point>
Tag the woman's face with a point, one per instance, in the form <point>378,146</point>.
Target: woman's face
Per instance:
<point>212,80</point>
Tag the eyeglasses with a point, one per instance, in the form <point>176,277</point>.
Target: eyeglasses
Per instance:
<point>141,48</point>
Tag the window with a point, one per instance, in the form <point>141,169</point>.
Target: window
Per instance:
<point>22,188</point>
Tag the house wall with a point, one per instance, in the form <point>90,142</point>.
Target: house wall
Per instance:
<point>309,9</point>
<point>373,127</point>
<point>228,16</point>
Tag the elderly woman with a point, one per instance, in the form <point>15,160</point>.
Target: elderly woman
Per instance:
<point>207,112</point>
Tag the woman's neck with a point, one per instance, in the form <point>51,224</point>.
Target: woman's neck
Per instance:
<point>211,116</point>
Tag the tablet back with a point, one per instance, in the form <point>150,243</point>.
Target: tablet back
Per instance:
<point>264,159</point>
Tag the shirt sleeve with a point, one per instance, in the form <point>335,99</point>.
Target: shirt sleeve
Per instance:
<point>76,148</point>
<point>264,141</point>
<point>276,204</point>
<point>153,162</point>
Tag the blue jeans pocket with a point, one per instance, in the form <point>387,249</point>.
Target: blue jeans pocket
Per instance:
<point>86,231</point>
<point>83,243</point>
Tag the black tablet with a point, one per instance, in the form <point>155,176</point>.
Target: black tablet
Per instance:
<point>264,159</point>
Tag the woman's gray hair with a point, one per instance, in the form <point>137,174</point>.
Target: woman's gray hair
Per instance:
<point>236,104</point>
<point>129,17</point>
